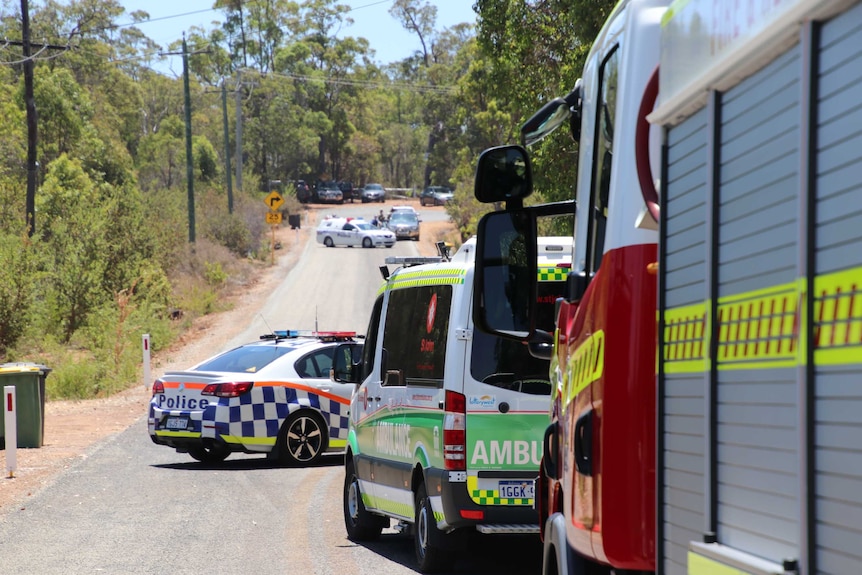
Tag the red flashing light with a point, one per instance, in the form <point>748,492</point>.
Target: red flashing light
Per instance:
<point>474,515</point>
<point>455,432</point>
<point>565,265</point>
<point>228,389</point>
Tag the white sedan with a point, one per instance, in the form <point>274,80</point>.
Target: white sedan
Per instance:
<point>352,232</point>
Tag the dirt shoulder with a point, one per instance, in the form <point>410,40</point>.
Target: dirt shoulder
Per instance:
<point>74,428</point>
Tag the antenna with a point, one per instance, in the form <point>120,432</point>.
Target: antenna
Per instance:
<point>263,319</point>
<point>315,320</point>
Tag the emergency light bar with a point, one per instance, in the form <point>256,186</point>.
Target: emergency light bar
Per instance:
<point>413,260</point>
<point>322,335</point>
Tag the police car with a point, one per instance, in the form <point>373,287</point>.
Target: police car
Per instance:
<point>352,232</point>
<point>273,396</point>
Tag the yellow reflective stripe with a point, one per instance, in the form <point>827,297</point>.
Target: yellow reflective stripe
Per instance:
<point>248,440</point>
<point>178,433</point>
<point>337,443</point>
<point>585,365</point>
<point>700,565</point>
<point>552,274</point>
<point>686,339</point>
<point>838,318</point>
<point>762,329</point>
<point>759,329</point>
<point>437,276</point>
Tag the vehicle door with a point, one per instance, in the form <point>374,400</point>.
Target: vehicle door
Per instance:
<point>346,235</point>
<point>507,395</point>
<point>366,405</point>
<point>408,369</point>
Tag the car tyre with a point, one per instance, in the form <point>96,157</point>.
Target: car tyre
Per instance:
<point>359,523</point>
<point>209,454</point>
<point>366,243</point>
<point>428,541</point>
<point>327,241</point>
<point>302,439</point>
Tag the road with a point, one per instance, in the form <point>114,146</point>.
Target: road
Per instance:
<point>134,507</point>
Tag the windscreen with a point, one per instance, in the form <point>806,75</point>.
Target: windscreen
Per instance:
<point>507,363</point>
<point>246,359</point>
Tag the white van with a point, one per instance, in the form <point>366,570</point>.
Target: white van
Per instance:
<point>445,428</point>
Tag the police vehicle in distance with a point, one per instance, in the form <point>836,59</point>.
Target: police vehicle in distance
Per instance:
<point>353,232</point>
<point>273,396</point>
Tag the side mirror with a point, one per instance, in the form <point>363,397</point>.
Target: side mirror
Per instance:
<point>503,174</point>
<point>346,362</point>
<point>554,114</point>
<point>505,286</point>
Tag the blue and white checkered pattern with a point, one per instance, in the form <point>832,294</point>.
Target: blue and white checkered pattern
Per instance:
<point>256,417</point>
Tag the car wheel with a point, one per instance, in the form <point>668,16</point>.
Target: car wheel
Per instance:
<point>366,242</point>
<point>359,523</point>
<point>428,540</point>
<point>302,439</point>
<point>327,241</point>
<point>209,454</point>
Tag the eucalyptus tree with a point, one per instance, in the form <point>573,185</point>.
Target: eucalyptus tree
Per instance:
<point>536,50</point>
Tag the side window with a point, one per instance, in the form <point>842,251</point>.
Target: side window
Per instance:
<point>315,364</point>
<point>370,348</point>
<point>417,328</point>
<point>603,158</point>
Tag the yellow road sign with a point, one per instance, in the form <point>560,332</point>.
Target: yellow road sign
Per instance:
<point>274,201</point>
<point>273,217</point>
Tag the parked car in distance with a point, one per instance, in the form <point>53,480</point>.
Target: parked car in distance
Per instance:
<point>373,193</point>
<point>404,224</point>
<point>348,192</point>
<point>435,196</point>
<point>353,232</point>
<point>303,192</point>
<point>329,193</point>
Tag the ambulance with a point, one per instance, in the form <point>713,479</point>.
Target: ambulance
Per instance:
<point>445,428</point>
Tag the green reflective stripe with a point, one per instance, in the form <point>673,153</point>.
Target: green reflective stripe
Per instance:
<point>552,274</point>
<point>387,506</point>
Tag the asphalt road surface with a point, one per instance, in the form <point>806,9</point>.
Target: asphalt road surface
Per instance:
<point>135,507</point>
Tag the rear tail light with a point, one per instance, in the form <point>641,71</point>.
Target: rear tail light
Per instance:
<point>228,389</point>
<point>158,387</point>
<point>455,432</point>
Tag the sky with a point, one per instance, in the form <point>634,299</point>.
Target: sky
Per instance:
<point>389,40</point>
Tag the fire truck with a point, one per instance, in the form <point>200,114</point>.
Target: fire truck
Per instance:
<point>707,358</point>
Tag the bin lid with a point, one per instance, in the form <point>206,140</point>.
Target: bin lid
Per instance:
<point>21,367</point>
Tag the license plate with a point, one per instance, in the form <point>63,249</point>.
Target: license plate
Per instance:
<point>517,489</point>
<point>177,423</point>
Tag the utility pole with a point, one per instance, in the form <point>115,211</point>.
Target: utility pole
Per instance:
<point>190,167</point>
<point>30,104</point>
<point>239,130</point>
<point>226,147</point>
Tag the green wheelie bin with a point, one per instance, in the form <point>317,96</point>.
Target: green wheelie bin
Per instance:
<point>29,382</point>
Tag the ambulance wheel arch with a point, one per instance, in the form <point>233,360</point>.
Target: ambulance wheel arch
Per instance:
<point>360,524</point>
<point>429,543</point>
<point>303,438</point>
